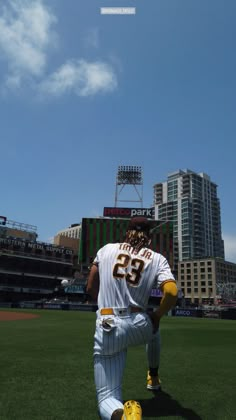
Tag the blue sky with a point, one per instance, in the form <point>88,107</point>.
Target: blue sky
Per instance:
<point>82,93</point>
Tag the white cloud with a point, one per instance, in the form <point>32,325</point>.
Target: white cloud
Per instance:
<point>25,35</point>
<point>230,247</point>
<point>80,77</point>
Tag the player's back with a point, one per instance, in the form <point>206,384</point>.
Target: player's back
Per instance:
<point>126,276</point>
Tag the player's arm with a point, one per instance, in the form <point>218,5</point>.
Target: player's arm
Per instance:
<point>168,301</point>
<point>170,295</point>
<point>93,282</point>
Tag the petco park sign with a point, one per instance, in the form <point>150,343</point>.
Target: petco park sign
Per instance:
<point>127,212</point>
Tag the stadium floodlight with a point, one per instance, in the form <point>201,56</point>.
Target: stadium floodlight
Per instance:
<point>129,175</point>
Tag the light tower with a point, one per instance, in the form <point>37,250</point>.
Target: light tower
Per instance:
<point>129,175</point>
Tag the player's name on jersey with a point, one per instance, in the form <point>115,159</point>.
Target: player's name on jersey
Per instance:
<point>146,253</point>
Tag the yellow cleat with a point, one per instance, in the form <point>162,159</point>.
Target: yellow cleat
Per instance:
<point>132,411</point>
<point>153,382</point>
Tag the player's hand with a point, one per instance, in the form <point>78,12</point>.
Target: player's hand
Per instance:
<point>155,321</point>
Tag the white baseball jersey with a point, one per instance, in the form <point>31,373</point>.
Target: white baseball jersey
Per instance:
<point>127,277</point>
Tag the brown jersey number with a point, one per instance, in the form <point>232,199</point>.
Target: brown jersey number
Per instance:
<point>136,265</point>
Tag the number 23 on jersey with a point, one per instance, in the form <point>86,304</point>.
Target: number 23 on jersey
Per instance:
<point>136,267</point>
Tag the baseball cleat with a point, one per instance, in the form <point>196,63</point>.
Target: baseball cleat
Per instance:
<point>132,411</point>
<point>153,382</point>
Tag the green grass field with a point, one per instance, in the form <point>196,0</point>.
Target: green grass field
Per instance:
<point>46,369</point>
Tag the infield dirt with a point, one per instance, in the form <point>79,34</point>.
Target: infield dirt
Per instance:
<point>16,316</point>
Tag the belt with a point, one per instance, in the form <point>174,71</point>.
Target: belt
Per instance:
<point>120,311</point>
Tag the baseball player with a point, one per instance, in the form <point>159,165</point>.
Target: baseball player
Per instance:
<point>121,279</point>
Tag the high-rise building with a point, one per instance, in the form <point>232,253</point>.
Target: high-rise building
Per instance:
<point>190,201</point>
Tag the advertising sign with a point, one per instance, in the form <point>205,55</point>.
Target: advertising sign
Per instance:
<point>75,288</point>
<point>128,212</point>
<point>28,246</point>
<point>185,312</point>
<point>156,293</point>
<point>211,314</point>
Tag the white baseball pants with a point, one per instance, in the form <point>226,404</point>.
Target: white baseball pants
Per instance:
<point>110,350</point>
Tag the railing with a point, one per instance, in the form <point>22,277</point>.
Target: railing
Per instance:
<point>21,226</point>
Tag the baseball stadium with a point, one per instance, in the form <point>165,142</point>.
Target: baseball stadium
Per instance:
<point>47,336</point>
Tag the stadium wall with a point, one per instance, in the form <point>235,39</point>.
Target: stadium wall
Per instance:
<point>96,232</point>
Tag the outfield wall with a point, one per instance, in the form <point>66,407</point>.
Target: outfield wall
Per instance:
<point>229,313</point>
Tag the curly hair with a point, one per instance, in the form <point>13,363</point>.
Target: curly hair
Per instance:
<point>137,239</point>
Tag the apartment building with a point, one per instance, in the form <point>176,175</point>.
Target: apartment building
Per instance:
<point>207,280</point>
<point>190,201</point>
<point>69,237</point>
